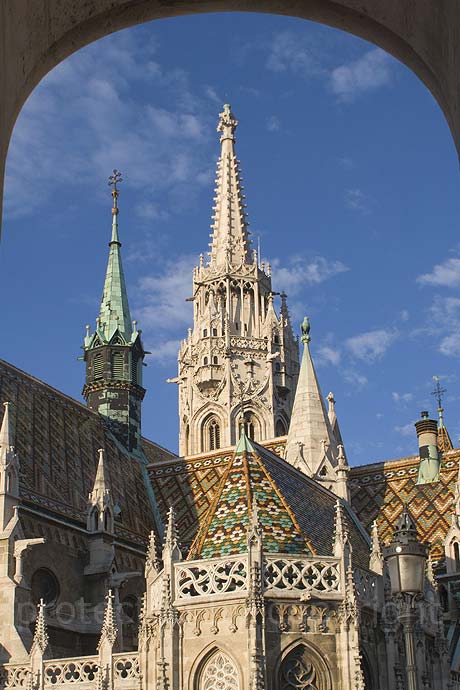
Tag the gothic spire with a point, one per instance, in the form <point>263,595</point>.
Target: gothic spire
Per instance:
<point>6,435</point>
<point>41,640</point>
<point>114,312</point>
<point>109,630</point>
<point>310,442</point>
<point>376,556</point>
<point>100,503</point>
<point>230,237</point>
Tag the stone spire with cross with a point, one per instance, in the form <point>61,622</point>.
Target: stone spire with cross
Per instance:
<point>114,353</point>
<point>240,336</point>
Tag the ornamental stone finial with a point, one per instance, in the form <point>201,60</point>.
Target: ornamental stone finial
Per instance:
<point>305,328</point>
<point>227,123</point>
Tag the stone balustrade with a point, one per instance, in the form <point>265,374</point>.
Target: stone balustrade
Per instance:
<point>283,576</point>
<point>81,671</point>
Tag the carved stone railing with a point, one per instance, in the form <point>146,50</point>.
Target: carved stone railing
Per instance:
<point>282,576</point>
<point>78,670</point>
<point>291,575</point>
<point>212,577</point>
<point>82,671</point>
<point>366,588</point>
<point>15,676</point>
<point>126,672</point>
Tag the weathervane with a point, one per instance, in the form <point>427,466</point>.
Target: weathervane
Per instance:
<point>115,179</point>
<point>438,391</point>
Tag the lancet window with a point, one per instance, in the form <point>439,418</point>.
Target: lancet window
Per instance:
<point>219,673</point>
<point>117,365</point>
<point>211,434</point>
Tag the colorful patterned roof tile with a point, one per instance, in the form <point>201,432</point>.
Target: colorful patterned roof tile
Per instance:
<point>224,531</point>
<point>379,492</point>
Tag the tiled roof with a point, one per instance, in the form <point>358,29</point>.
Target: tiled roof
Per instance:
<point>380,490</point>
<point>224,530</point>
<point>57,439</point>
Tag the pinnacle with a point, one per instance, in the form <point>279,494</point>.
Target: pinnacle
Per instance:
<point>41,639</point>
<point>6,436</point>
<point>109,627</point>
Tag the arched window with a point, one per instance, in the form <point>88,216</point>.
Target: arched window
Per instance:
<point>95,520</point>
<point>135,368</point>
<point>98,366</point>
<point>205,361</point>
<point>117,365</point>
<point>298,672</point>
<point>457,556</point>
<point>205,332</point>
<point>210,437</point>
<point>280,429</point>
<point>219,673</point>
<point>251,426</point>
<point>215,360</point>
<point>214,331</point>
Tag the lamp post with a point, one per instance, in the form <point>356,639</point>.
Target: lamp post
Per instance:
<point>406,557</point>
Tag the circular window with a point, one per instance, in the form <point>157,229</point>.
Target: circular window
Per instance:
<point>44,586</point>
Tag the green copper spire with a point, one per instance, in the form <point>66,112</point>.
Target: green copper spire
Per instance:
<point>114,311</point>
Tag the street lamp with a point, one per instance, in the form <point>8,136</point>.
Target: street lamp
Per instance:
<point>406,557</point>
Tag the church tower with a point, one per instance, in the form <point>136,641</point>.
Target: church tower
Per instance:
<point>240,360</point>
<point>114,353</point>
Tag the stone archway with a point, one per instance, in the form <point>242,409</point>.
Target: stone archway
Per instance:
<point>36,35</point>
<point>303,669</point>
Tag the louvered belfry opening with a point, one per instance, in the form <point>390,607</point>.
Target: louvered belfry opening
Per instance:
<point>117,365</point>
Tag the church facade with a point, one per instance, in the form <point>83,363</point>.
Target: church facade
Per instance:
<point>254,559</point>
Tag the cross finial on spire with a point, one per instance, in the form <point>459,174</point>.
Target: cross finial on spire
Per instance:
<point>109,630</point>
<point>41,639</point>
<point>227,123</point>
<point>438,393</point>
<point>115,179</point>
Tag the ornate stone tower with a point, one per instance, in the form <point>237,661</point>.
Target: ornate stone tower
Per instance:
<point>114,352</point>
<point>240,360</point>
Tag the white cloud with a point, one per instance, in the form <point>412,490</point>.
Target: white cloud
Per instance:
<point>161,296</point>
<point>89,115</point>
<point>163,352</point>
<point>273,123</point>
<point>450,345</point>
<point>402,398</point>
<point>369,72</point>
<point>406,429</point>
<point>357,200</point>
<point>355,378</point>
<point>301,271</point>
<point>294,52</point>
<point>327,355</point>
<point>371,345</point>
<point>446,274</point>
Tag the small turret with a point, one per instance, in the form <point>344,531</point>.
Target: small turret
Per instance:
<point>430,457</point>
<point>100,522</point>
<point>114,352</point>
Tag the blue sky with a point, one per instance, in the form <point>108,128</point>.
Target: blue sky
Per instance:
<point>351,179</point>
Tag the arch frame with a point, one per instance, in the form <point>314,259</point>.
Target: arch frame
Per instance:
<point>203,657</point>
<point>36,37</point>
<point>321,661</point>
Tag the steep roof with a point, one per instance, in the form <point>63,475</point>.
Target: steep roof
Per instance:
<point>225,527</point>
<point>114,312</point>
<point>380,490</point>
<point>57,439</point>
<point>310,438</point>
<point>297,515</point>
